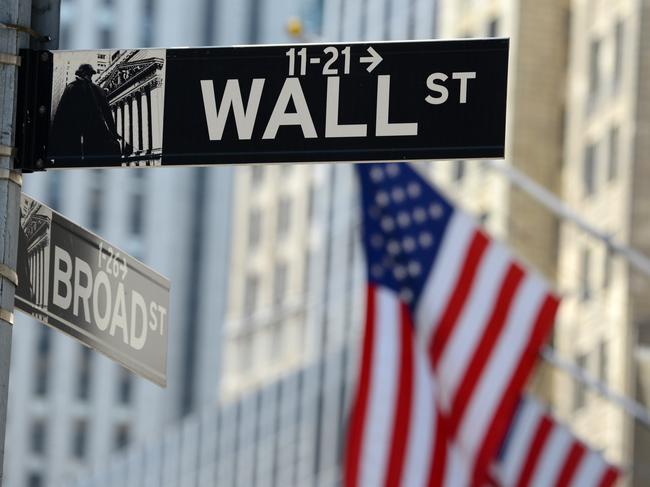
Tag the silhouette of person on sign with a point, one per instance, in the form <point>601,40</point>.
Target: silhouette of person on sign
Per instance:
<point>83,125</point>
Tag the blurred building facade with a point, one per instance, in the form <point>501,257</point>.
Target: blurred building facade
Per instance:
<point>283,242</point>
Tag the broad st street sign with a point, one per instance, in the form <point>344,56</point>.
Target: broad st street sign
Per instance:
<point>74,281</point>
<point>375,101</point>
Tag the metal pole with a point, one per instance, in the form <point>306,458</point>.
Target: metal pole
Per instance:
<point>12,13</point>
<point>557,206</point>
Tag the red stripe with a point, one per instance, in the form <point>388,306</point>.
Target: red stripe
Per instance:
<point>483,352</point>
<point>504,412</point>
<point>609,477</point>
<point>535,450</point>
<point>455,305</point>
<point>358,414</point>
<point>439,461</point>
<point>576,453</point>
<point>402,419</point>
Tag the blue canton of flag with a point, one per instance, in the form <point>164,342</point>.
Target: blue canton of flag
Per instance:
<point>403,224</point>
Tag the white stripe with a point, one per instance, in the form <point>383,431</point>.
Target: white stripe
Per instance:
<point>443,275</point>
<point>519,443</point>
<point>419,452</point>
<point>554,454</point>
<point>468,331</point>
<point>590,471</point>
<point>503,362</point>
<point>382,397</point>
<point>457,469</point>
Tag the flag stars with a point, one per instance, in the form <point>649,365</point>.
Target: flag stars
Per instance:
<point>425,239</point>
<point>387,224</point>
<point>398,195</point>
<point>392,170</point>
<point>414,190</point>
<point>382,199</point>
<point>403,219</point>
<point>399,272</point>
<point>414,268</point>
<point>436,211</point>
<point>419,214</point>
<point>377,174</point>
<point>409,244</point>
<point>393,247</point>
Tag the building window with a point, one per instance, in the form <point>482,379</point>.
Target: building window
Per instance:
<point>106,37</point>
<point>136,216</point>
<point>254,227</point>
<point>619,41</point>
<point>589,170</point>
<point>284,216</point>
<point>245,357</point>
<point>147,22</point>
<point>250,294</point>
<point>95,207</point>
<point>38,437</point>
<point>41,366</point>
<point>84,373</point>
<point>277,336</point>
<point>79,439</point>
<point>612,165</point>
<point>125,387</point>
<point>121,436</point>
<point>594,71</point>
<point>579,389</point>
<point>54,182</point>
<point>607,267</point>
<point>458,170</point>
<point>603,361</point>
<point>257,175</point>
<point>585,275</point>
<point>493,28</point>
<point>34,479</point>
<point>279,283</point>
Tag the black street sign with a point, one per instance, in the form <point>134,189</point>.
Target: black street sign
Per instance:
<point>78,283</point>
<point>287,103</point>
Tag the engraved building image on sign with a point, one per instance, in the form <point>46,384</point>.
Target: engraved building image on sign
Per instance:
<point>108,105</point>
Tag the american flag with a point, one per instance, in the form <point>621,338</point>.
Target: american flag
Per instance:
<point>453,327</point>
<point>540,451</point>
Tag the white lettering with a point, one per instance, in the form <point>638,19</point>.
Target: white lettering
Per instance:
<point>138,307</point>
<point>101,281</point>
<point>244,118</point>
<point>119,314</point>
<point>433,86</point>
<point>463,77</point>
<point>384,128</point>
<point>62,277</point>
<point>332,126</point>
<point>290,90</point>
<point>82,293</point>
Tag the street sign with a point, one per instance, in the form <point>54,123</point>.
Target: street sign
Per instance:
<point>286,103</point>
<point>78,283</point>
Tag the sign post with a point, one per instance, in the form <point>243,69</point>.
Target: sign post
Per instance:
<point>265,104</point>
<point>76,282</point>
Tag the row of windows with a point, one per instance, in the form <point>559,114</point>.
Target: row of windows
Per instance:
<point>136,205</point>
<point>83,381</point>
<point>79,437</point>
<point>283,222</point>
<point>593,153</point>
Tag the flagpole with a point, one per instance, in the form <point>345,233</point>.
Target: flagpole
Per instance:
<point>631,407</point>
<point>557,206</point>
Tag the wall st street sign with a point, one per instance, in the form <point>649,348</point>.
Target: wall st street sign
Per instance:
<point>76,282</point>
<point>292,103</point>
